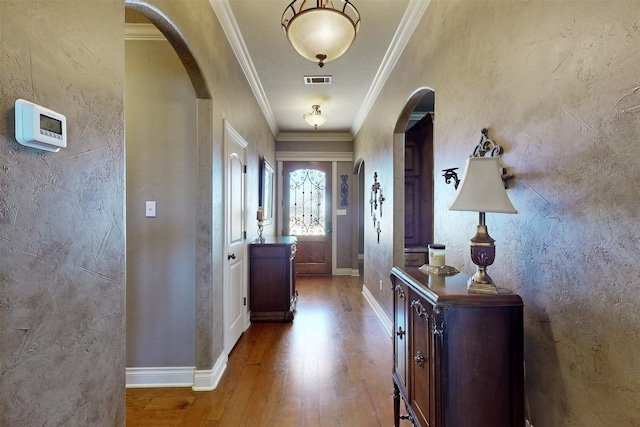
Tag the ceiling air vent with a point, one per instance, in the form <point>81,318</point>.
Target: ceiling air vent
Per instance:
<point>318,80</point>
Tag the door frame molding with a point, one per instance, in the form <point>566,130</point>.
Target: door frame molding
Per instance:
<point>230,134</point>
<point>315,156</point>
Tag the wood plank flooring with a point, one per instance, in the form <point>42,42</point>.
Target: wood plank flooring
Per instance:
<point>330,367</point>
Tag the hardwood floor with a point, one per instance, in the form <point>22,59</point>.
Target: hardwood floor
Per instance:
<point>330,367</point>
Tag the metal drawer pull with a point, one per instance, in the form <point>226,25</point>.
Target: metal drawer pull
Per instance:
<point>419,359</point>
<point>438,329</point>
<point>420,310</point>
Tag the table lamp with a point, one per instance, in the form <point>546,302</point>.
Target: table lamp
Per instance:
<point>482,190</point>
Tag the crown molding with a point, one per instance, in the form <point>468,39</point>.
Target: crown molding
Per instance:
<point>313,156</point>
<point>410,20</point>
<point>222,9</point>
<point>314,136</point>
<point>148,32</point>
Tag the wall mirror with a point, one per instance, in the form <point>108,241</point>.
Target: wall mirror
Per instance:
<point>266,190</point>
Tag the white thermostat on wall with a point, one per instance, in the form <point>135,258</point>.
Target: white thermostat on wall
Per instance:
<point>39,127</point>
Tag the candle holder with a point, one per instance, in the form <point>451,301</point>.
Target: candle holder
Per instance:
<point>260,218</point>
<point>260,238</point>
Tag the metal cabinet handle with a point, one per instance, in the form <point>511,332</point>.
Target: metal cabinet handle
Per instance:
<point>231,256</point>
<point>417,305</point>
<point>419,359</point>
<point>400,332</point>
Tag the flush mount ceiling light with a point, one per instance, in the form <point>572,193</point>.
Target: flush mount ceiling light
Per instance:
<point>315,117</point>
<point>321,30</point>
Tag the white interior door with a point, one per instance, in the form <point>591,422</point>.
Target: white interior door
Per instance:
<point>235,281</point>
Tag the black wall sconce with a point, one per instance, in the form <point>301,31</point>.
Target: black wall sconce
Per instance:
<point>450,174</point>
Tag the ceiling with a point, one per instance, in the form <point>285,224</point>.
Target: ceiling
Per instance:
<point>276,71</point>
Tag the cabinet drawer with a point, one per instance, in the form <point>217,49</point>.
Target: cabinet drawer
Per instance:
<point>269,251</point>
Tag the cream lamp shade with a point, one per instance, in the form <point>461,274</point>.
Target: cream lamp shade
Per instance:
<point>481,188</point>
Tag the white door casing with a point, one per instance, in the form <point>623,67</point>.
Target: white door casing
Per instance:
<point>235,276</point>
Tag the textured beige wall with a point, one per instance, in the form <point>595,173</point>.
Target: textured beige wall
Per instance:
<point>557,85</point>
<point>62,237</point>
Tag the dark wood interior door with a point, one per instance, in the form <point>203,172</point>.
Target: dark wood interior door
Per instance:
<point>418,180</point>
<point>307,214</point>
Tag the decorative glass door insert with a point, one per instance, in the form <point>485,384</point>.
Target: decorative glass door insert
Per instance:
<point>307,195</point>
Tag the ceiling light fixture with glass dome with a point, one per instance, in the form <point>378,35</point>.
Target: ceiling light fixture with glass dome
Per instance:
<point>321,30</point>
<point>315,117</point>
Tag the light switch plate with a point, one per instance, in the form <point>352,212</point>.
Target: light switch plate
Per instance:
<point>150,209</point>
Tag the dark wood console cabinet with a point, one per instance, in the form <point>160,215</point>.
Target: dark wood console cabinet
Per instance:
<point>272,279</point>
<point>458,357</point>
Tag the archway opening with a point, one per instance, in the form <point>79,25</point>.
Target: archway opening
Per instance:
<point>413,142</point>
<point>200,187</point>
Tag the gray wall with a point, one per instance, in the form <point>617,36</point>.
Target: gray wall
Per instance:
<point>161,166</point>
<point>557,85</point>
<point>62,236</point>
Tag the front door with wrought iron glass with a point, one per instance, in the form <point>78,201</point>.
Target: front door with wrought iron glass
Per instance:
<point>307,214</point>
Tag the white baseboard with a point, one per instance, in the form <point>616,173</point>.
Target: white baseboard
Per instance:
<point>207,380</point>
<point>387,324</point>
<point>181,376</point>
<point>342,272</point>
<point>347,272</point>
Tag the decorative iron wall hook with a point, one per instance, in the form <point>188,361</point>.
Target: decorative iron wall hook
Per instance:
<point>484,147</point>
<point>376,201</point>
<point>344,190</point>
<point>487,145</point>
<point>372,200</point>
<point>374,191</point>
<point>450,174</point>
